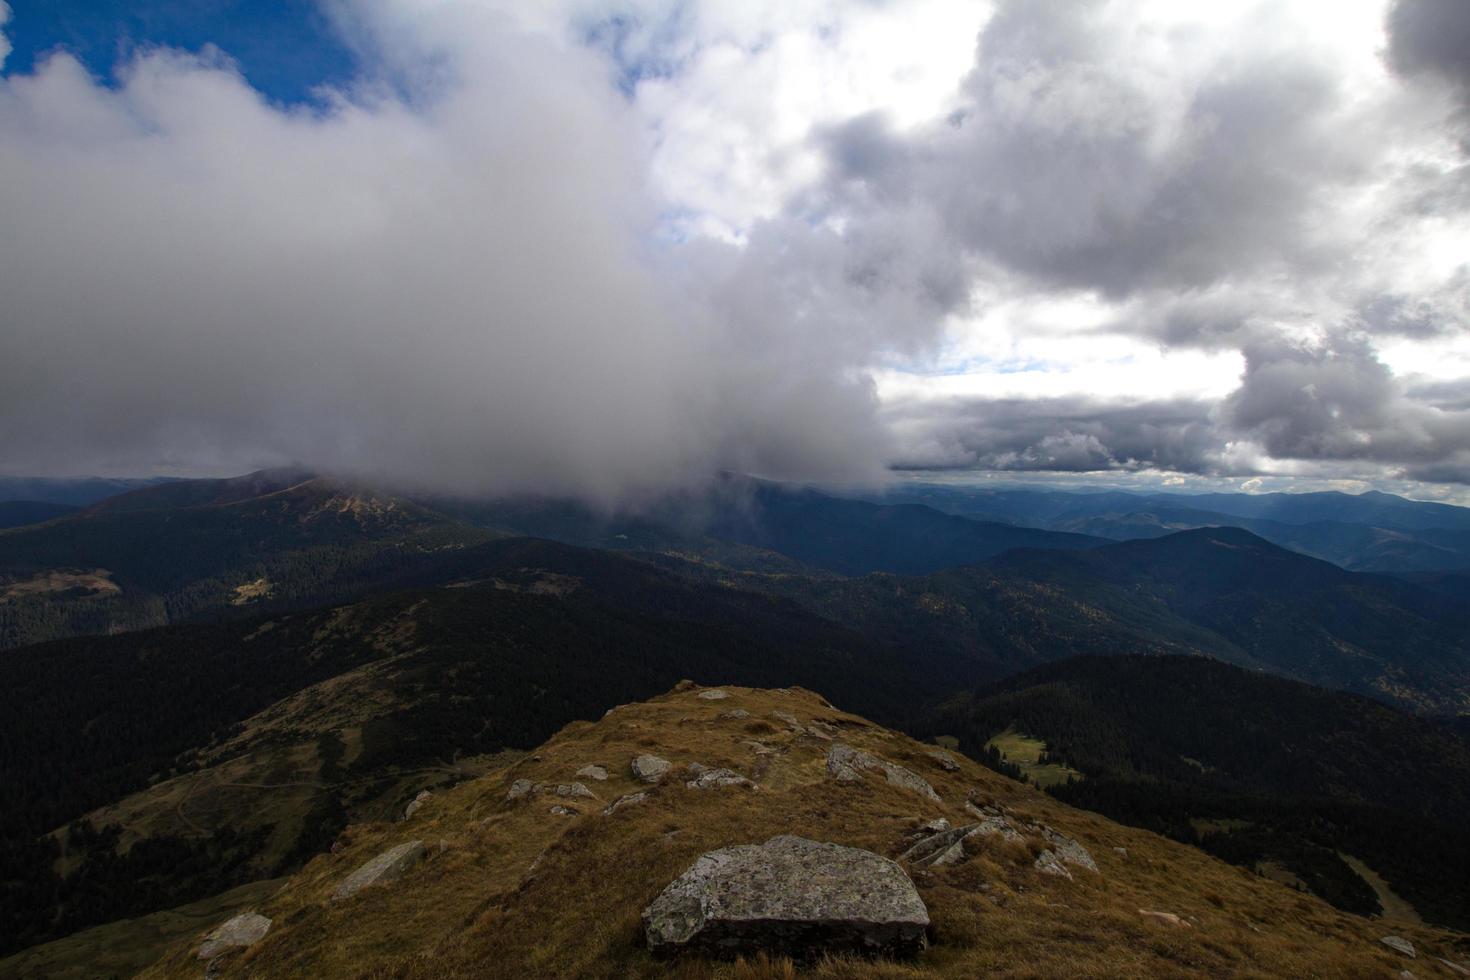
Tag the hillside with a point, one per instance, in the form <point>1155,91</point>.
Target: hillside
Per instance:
<point>1255,768</point>
<point>507,888</point>
<point>19,513</point>
<point>178,550</point>
<point>1222,592</point>
<point>229,750</point>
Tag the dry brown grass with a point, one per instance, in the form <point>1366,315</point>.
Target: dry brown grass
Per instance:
<point>521,893</point>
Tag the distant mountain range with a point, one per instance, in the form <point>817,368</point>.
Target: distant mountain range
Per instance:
<point>1370,532</point>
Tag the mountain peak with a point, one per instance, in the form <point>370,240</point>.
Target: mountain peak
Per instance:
<point>545,867</point>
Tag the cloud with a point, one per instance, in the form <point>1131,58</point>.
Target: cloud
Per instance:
<point>462,286</point>
<point>1431,37</point>
<point>4,41</point>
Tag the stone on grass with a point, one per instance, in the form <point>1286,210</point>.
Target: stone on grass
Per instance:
<point>571,791</point>
<point>1048,863</point>
<point>713,694</point>
<point>626,800</point>
<point>563,811</point>
<point>1164,918</point>
<point>1399,945</point>
<point>245,929</point>
<point>734,714</point>
<point>846,765</point>
<point>520,788</point>
<point>707,778</point>
<point>650,768</point>
<point>593,772</point>
<point>386,867</point>
<point>418,801</point>
<point>945,760</point>
<point>789,896</point>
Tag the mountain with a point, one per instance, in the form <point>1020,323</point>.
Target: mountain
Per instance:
<point>1218,591</point>
<point>1258,769</point>
<point>178,550</point>
<point>1371,532</point>
<point>524,872</point>
<point>205,756</point>
<point>75,492</point>
<point>18,513</point>
<point>848,537</point>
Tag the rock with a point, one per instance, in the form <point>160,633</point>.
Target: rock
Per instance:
<point>789,896</point>
<point>1068,849</point>
<point>1399,945</point>
<point>593,772</point>
<point>626,800</point>
<point>1048,863</point>
<point>934,826</point>
<point>1121,851</point>
<point>1164,918</point>
<point>1454,968</point>
<point>735,714</point>
<point>386,867</point>
<point>707,778</point>
<point>417,802</point>
<point>790,720</point>
<point>945,760</point>
<point>939,848</point>
<point>563,811</point>
<point>822,730</point>
<point>571,791</point>
<point>520,788</point>
<point>845,764</point>
<point>713,694</point>
<point>685,685</point>
<point>650,768</point>
<point>245,929</point>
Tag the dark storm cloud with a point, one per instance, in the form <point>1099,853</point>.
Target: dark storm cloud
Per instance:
<point>1077,434</point>
<point>1431,37</point>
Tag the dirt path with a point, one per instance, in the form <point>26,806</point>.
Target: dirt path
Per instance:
<point>1395,909</point>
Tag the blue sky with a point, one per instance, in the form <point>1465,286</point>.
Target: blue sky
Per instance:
<point>283,47</point>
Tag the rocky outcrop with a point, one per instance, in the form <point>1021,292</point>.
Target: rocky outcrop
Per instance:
<point>846,765</point>
<point>418,801</point>
<point>245,929</point>
<point>939,844</point>
<point>650,768</point>
<point>1399,945</point>
<point>789,896</point>
<point>707,778</point>
<point>389,866</point>
<point>945,760</point>
<point>628,799</point>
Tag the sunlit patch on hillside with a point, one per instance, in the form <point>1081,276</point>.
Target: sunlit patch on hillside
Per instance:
<point>1027,753</point>
<point>68,583</point>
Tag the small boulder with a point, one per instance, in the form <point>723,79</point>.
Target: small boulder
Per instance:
<point>571,791</point>
<point>596,773</point>
<point>1164,918</point>
<point>734,714</point>
<point>520,788</point>
<point>1068,849</point>
<point>650,768</point>
<point>707,778</point>
<point>417,802</point>
<point>245,929</point>
<point>1399,945</point>
<point>713,694</point>
<point>1454,968</point>
<point>558,810</point>
<point>626,800</point>
<point>388,866</point>
<point>1048,863</point>
<point>789,896</point>
<point>945,760</point>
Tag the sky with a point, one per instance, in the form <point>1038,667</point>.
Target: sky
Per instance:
<point>616,248</point>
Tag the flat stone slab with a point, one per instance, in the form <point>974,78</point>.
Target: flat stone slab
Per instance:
<point>388,866</point>
<point>789,896</point>
<point>245,929</point>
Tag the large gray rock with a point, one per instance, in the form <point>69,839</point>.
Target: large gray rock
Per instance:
<point>245,929</point>
<point>1399,945</point>
<point>417,802</point>
<point>650,768</point>
<point>386,867</point>
<point>789,896</point>
<point>846,764</point>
